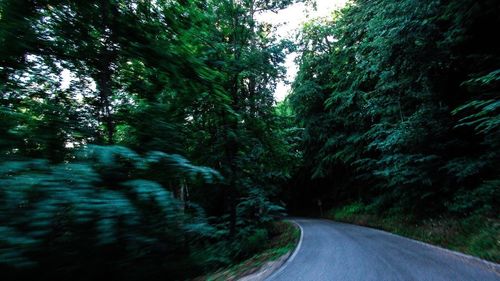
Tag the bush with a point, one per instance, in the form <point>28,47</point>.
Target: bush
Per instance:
<point>95,216</point>
<point>348,211</point>
<point>476,234</point>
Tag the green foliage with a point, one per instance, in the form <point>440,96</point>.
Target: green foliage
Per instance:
<point>349,210</point>
<point>281,239</point>
<point>253,241</point>
<point>482,200</point>
<point>139,139</point>
<point>485,243</point>
<point>399,104</point>
<point>475,234</point>
<point>256,208</point>
<point>91,199</point>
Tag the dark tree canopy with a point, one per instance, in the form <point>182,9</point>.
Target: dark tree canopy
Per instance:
<point>399,102</point>
<point>142,140</point>
<point>137,135</point>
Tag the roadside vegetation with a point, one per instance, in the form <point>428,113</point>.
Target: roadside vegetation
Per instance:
<point>282,240</point>
<point>399,102</point>
<point>474,235</point>
<point>141,140</point>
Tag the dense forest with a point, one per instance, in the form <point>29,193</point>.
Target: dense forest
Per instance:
<point>399,101</point>
<point>142,140</point>
<point>160,155</point>
<point>400,104</point>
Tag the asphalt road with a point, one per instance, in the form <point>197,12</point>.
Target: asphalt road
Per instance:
<point>336,251</point>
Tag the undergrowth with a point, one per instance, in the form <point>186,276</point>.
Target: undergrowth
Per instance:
<point>282,239</point>
<point>475,235</point>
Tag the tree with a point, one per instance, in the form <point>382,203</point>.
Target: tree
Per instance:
<point>137,104</point>
<point>379,93</point>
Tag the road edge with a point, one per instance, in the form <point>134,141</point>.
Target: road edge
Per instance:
<point>291,257</point>
<point>488,265</point>
<point>268,272</point>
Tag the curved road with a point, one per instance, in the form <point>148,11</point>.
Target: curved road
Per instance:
<point>337,251</point>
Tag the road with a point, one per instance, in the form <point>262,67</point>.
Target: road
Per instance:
<point>337,251</point>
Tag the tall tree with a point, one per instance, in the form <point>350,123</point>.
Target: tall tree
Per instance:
<point>379,93</point>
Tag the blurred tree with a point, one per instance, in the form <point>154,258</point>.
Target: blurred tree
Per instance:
<point>153,80</point>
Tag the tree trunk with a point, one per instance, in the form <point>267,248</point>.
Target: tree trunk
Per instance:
<point>106,57</point>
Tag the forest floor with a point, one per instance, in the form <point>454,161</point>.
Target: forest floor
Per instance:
<point>284,238</point>
<point>476,235</point>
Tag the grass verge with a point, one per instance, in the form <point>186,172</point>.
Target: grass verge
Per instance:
<point>284,238</point>
<point>475,235</point>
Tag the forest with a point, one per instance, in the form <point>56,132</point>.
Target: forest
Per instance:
<point>142,139</point>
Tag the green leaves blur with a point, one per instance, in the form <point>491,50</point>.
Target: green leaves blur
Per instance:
<point>139,138</point>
